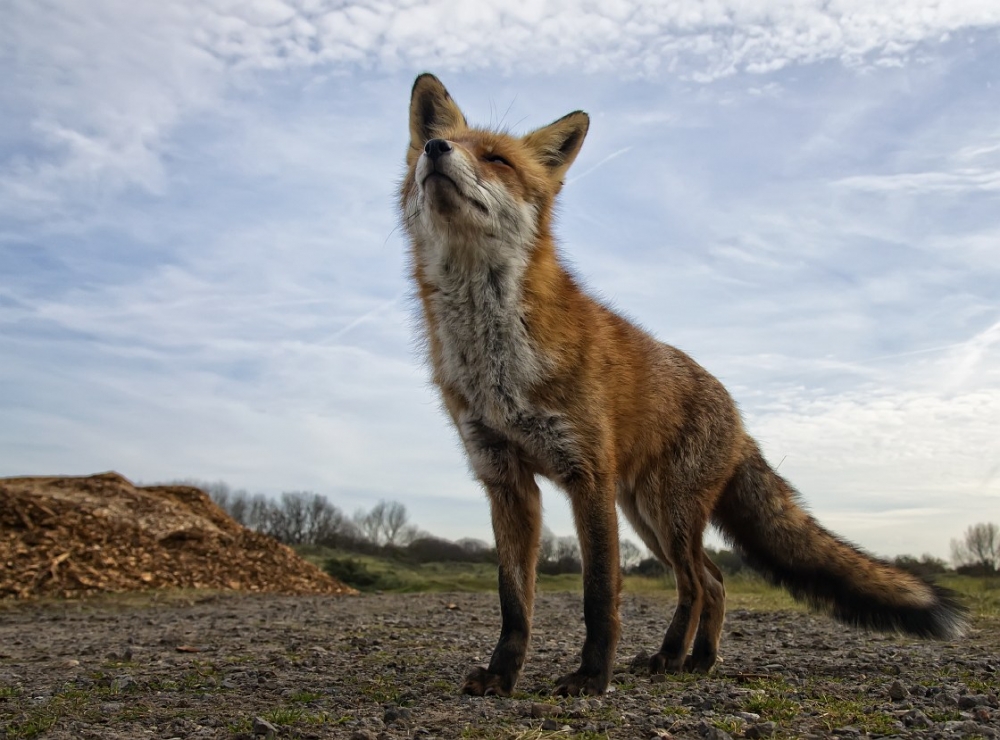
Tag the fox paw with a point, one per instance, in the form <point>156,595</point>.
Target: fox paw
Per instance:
<point>702,663</point>
<point>660,663</point>
<point>578,683</point>
<point>480,682</point>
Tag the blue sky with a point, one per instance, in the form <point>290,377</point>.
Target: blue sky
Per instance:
<point>201,274</point>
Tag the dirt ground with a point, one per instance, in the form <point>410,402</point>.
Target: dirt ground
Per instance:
<point>389,666</point>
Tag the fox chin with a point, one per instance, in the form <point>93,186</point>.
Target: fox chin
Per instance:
<point>541,379</point>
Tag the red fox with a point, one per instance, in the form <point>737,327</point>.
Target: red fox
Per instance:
<point>541,379</point>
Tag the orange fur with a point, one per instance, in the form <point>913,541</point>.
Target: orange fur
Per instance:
<point>541,379</point>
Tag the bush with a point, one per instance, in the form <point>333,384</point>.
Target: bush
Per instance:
<point>357,575</point>
<point>649,567</point>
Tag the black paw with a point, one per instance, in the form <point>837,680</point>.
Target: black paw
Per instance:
<point>699,662</point>
<point>578,683</point>
<point>480,682</point>
<point>660,663</point>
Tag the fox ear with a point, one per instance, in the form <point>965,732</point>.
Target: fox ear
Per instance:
<point>431,111</point>
<point>557,144</point>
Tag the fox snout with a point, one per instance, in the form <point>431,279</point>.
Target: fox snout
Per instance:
<point>437,148</point>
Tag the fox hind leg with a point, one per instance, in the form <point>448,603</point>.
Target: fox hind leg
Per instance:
<point>705,650</point>
<point>675,538</point>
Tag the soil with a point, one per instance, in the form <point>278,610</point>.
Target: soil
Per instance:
<point>74,536</point>
<point>228,665</point>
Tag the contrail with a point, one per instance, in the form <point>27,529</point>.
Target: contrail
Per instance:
<point>364,317</point>
<point>599,164</point>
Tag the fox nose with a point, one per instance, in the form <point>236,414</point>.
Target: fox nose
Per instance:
<point>435,148</point>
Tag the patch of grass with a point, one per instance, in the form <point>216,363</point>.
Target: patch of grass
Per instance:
<point>768,699</point>
<point>40,718</point>
<point>836,712</point>
<point>381,690</point>
<point>240,726</point>
<point>304,697</point>
<point>10,692</point>
<point>732,725</point>
<point>743,591</point>
<point>284,715</point>
<point>300,716</point>
<point>943,715</point>
<point>981,595</point>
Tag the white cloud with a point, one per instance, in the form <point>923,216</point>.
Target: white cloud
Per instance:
<point>198,214</point>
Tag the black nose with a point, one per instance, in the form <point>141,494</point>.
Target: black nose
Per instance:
<point>436,147</point>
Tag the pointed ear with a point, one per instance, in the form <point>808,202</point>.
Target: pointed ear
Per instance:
<point>431,111</point>
<point>557,144</point>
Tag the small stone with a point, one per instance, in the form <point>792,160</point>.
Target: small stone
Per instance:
<point>897,692</point>
<point>69,663</point>
<point>658,678</point>
<point>123,682</point>
<point>550,725</point>
<point>396,714</point>
<point>916,718</point>
<point>761,729</point>
<point>972,701</point>
<point>847,731</point>
<point>711,732</point>
<point>262,727</point>
<point>363,734</point>
<point>540,710</point>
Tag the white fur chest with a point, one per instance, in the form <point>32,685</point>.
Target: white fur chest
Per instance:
<point>486,353</point>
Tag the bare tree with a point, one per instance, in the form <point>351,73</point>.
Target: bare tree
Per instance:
<point>547,546</point>
<point>980,548</point>
<point>372,523</point>
<point>394,524</point>
<point>629,553</point>
<point>238,506</point>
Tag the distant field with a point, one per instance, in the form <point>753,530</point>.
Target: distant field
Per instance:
<point>743,592</point>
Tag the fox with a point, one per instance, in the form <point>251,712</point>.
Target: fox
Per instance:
<point>542,380</point>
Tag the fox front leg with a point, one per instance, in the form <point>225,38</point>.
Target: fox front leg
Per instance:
<point>516,510</point>
<point>597,528</point>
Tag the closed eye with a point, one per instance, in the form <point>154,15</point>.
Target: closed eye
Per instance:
<point>497,159</point>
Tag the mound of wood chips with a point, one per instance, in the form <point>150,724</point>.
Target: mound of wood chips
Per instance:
<point>71,537</point>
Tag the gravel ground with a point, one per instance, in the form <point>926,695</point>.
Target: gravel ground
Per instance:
<point>389,666</point>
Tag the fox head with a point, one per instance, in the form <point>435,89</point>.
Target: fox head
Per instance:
<point>472,194</point>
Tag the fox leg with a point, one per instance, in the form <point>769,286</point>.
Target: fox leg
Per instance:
<point>706,642</point>
<point>597,528</point>
<point>681,531</point>
<point>516,509</point>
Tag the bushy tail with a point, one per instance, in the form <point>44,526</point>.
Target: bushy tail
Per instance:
<point>759,514</point>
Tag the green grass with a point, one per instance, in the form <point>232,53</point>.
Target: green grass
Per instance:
<point>743,591</point>
<point>982,595</point>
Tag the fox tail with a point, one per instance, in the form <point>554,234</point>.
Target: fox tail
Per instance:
<point>758,512</point>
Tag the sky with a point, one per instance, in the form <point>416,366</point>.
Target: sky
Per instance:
<point>202,273</point>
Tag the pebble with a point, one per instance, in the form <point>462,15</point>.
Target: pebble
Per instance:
<point>916,718</point>
<point>760,730</point>
<point>262,727</point>
<point>539,710</point>
<point>897,692</point>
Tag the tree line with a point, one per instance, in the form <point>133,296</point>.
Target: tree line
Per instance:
<point>307,518</point>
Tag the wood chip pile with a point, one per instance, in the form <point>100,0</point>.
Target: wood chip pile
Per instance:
<point>72,537</point>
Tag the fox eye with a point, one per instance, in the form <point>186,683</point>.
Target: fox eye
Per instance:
<point>497,159</point>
